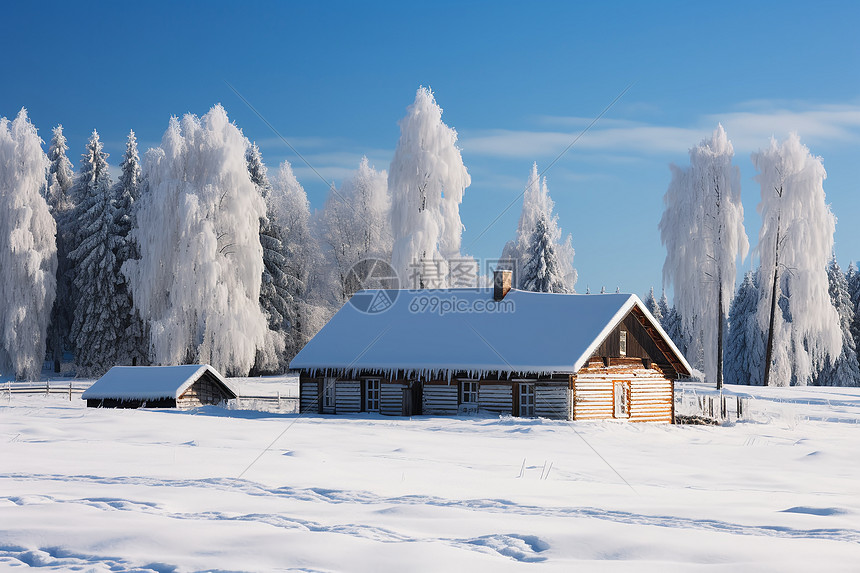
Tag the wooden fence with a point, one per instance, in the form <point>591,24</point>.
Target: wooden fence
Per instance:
<point>715,407</point>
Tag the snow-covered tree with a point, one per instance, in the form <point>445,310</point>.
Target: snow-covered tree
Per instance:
<point>795,244</point>
<point>703,231</point>
<point>542,271</point>
<point>653,306</point>
<point>308,311</point>
<point>60,183</point>
<point>427,180</point>
<point>28,249</point>
<point>275,297</point>
<point>197,282</point>
<point>745,343</point>
<point>663,307</point>
<point>135,339</point>
<point>673,325</point>
<point>354,225</point>
<point>844,369</point>
<point>60,175</point>
<point>103,307</point>
<point>537,204</point>
<point>853,279</point>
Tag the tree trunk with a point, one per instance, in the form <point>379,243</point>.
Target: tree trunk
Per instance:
<point>769,352</point>
<point>720,337</point>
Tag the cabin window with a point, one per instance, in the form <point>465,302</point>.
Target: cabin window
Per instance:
<point>621,398</point>
<point>622,343</point>
<point>371,395</point>
<point>328,393</point>
<point>468,392</point>
<point>527,400</point>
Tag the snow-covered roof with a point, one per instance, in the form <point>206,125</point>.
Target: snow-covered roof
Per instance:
<point>528,332</point>
<point>148,382</point>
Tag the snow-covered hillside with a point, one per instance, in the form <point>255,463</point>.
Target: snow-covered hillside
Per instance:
<point>114,490</point>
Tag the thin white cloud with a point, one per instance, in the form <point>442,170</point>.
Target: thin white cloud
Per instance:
<point>749,129</point>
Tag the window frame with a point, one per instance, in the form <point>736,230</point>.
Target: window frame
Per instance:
<point>329,395</point>
<point>469,388</point>
<point>523,389</point>
<point>622,343</point>
<point>367,391</point>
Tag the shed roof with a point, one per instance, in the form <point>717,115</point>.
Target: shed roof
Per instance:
<point>150,382</point>
<point>463,330</point>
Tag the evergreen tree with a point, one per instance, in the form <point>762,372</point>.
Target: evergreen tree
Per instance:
<point>60,175</point>
<point>853,280</point>
<point>134,344</point>
<point>673,326</point>
<point>60,183</point>
<point>844,369</point>
<point>653,306</point>
<point>103,307</point>
<point>28,250</point>
<point>744,345</point>
<point>663,307</point>
<point>542,271</point>
<point>275,297</point>
<point>536,204</point>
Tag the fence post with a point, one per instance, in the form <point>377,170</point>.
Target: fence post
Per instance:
<point>70,390</point>
<point>724,413</point>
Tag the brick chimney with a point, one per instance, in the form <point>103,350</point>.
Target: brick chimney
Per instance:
<point>501,283</point>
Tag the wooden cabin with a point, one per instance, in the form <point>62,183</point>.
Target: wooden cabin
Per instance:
<point>184,387</point>
<point>494,350</point>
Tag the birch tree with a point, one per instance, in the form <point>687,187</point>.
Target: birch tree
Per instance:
<point>28,249</point>
<point>795,243</point>
<point>427,180</point>
<point>703,231</point>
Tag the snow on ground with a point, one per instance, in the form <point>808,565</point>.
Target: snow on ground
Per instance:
<point>161,490</point>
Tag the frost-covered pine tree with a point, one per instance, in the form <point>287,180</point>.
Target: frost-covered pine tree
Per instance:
<point>653,306</point>
<point>703,231</point>
<point>308,311</point>
<point>844,369</point>
<point>427,180</point>
<point>197,282</point>
<point>853,279</point>
<point>60,183</point>
<point>542,271</point>
<point>60,175</point>
<point>103,306</point>
<point>663,307</point>
<point>673,325</point>
<point>795,244</point>
<point>275,297</point>
<point>744,343</point>
<point>28,249</point>
<point>135,340</point>
<point>537,204</point>
<point>354,225</point>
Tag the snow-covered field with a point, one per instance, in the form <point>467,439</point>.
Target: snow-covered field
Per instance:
<point>118,490</point>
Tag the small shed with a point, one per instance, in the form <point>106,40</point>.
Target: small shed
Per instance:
<point>499,350</point>
<point>187,386</point>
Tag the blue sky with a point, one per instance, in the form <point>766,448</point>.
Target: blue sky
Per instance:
<point>517,81</point>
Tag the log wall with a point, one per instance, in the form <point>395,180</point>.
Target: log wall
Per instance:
<point>495,398</point>
<point>552,400</point>
<point>391,398</point>
<point>309,395</point>
<point>651,393</point>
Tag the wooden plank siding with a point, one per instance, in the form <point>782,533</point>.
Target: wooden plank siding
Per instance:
<point>206,390</point>
<point>651,392</point>
<point>552,400</point>
<point>391,398</point>
<point>441,399</point>
<point>309,395</point>
<point>347,397</point>
<point>640,344</point>
<point>496,398</point>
